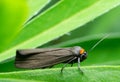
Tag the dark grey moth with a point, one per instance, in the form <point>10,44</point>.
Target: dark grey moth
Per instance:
<point>47,57</point>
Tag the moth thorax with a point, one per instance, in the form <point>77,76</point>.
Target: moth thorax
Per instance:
<point>76,50</point>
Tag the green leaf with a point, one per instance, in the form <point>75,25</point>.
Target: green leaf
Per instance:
<point>67,15</point>
<point>72,74</point>
<point>16,80</point>
<point>35,6</point>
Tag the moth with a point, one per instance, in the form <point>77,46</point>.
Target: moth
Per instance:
<point>47,57</point>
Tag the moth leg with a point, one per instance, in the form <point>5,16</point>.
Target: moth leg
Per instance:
<point>67,63</point>
<point>79,65</point>
<point>50,66</point>
<point>72,63</point>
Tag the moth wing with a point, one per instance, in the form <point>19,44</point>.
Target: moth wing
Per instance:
<point>36,51</point>
<point>43,59</point>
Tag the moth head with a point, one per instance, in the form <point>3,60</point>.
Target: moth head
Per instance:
<point>80,52</point>
<point>83,54</point>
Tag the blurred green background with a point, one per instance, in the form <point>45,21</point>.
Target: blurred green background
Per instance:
<point>13,14</point>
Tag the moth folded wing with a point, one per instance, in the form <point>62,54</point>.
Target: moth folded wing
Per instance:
<point>35,51</point>
<point>44,59</point>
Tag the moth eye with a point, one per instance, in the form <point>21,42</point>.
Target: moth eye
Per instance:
<point>82,51</point>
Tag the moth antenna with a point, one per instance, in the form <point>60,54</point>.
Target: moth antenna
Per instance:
<point>99,41</point>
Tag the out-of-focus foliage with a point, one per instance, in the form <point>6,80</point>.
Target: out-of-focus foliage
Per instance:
<point>13,14</point>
